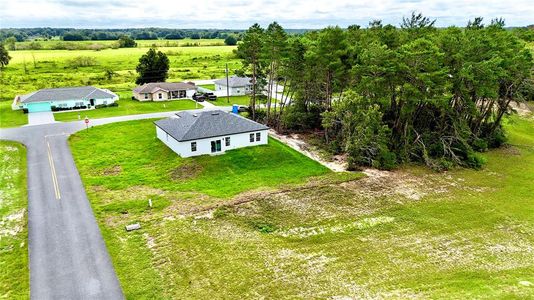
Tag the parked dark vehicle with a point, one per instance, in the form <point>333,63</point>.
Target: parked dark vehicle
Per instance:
<point>210,96</point>
<point>199,97</point>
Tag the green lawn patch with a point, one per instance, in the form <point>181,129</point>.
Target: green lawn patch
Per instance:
<point>11,118</point>
<point>127,106</point>
<point>14,273</point>
<point>240,100</point>
<point>208,86</point>
<point>144,160</point>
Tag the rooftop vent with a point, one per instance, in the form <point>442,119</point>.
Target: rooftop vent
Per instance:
<point>215,113</point>
<point>195,115</point>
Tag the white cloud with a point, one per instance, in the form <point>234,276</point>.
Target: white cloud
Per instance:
<point>242,13</point>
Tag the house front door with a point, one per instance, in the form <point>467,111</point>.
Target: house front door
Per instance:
<point>92,102</point>
<point>216,146</point>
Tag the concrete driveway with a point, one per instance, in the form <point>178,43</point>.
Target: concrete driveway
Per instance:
<point>40,118</point>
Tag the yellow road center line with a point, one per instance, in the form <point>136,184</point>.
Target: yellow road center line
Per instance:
<point>53,171</point>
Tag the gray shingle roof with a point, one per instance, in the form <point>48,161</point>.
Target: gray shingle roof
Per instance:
<point>187,126</point>
<point>234,81</point>
<point>168,86</point>
<point>70,93</point>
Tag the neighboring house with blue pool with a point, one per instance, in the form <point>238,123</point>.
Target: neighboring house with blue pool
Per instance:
<point>64,98</point>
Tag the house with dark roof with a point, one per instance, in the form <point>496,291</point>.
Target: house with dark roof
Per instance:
<point>209,132</point>
<point>163,91</point>
<point>64,98</point>
<point>236,85</point>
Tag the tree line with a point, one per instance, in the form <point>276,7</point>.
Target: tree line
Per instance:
<point>386,95</point>
<point>72,34</point>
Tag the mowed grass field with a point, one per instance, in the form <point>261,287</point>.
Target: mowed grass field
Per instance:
<point>411,233</point>
<point>14,273</point>
<point>30,70</point>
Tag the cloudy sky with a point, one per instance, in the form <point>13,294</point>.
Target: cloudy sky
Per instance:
<point>238,14</point>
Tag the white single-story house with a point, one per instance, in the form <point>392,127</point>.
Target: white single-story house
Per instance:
<point>163,91</point>
<point>64,98</point>
<point>209,132</point>
<point>237,85</point>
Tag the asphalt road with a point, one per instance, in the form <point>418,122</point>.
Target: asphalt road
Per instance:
<point>68,256</point>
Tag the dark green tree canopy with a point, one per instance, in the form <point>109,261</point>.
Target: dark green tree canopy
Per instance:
<point>153,67</point>
<point>230,40</point>
<point>4,56</point>
<point>126,41</point>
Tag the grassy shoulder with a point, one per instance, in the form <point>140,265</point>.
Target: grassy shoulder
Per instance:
<point>11,118</point>
<point>411,233</point>
<point>127,106</point>
<point>14,272</point>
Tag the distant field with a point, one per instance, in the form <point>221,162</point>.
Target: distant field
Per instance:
<point>14,272</point>
<point>30,70</point>
<point>140,43</point>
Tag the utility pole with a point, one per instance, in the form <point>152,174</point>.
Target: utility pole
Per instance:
<point>227,87</point>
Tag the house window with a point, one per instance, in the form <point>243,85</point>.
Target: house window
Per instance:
<point>258,136</point>
<point>77,104</point>
<point>252,137</point>
<point>160,96</point>
<point>193,146</point>
<point>105,102</point>
<point>227,141</point>
<point>146,96</point>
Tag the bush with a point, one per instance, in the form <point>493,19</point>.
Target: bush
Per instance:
<point>387,160</point>
<point>480,145</point>
<point>82,61</point>
<point>497,138</point>
<point>114,104</point>
<point>230,40</point>
<point>25,110</point>
<point>126,42</point>
<point>475,160</point>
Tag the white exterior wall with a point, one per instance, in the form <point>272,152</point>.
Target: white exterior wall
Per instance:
<point>72,103</point>
<point>204,145</point>
<point>235,91</point>
<point>190,93</point>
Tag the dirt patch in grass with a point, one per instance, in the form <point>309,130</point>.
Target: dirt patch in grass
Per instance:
<point>186,171</point>
<point>112,171</point>
<point>510,150</point>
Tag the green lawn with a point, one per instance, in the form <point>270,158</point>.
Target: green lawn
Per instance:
<point>127,106</point>
<point>9,117</point>
<point>240,100</point>
<point>208,86</point>
<point>144,160</point>
<point>14,273</point>
<point>411,234</point>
